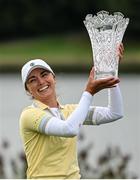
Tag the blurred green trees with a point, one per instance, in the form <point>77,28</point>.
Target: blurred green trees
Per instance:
<point>54,30</point>
<point>20,18</point>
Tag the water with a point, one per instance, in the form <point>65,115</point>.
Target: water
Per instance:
<point>123,133</point>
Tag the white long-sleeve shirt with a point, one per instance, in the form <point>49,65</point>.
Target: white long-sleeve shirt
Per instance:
<point>85,112</point>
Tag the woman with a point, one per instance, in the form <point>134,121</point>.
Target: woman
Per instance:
<point>49,131</point>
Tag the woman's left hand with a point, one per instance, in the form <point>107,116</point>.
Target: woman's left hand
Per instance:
<point>120,51</point>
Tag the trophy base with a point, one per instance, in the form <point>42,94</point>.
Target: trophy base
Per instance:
<point>103,75</point>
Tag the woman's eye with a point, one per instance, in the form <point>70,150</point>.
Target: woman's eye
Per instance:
<point>32,80</point>
<point>45,74</point>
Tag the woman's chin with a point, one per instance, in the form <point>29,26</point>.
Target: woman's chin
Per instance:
<point>45,95</point>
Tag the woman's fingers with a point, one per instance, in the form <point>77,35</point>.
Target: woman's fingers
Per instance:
<point>95,85</point>
<point>120,51</point>
<point>122,47</point>
<point>92,72</point>
<point>107,83</point>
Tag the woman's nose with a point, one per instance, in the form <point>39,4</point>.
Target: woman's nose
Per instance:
<point>40,80</point>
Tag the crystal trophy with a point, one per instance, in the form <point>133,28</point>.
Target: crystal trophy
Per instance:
<point>106,33</point>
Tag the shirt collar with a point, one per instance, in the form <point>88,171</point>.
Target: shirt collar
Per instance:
<point>43,106</point>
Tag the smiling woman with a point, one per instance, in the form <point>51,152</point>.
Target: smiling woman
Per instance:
<point>41,84</point>
<point>49,130</point>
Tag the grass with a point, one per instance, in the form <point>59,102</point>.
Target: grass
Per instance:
<point>57,49</point>
<point>72,50</point>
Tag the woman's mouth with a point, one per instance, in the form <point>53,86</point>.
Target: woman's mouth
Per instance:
<point>43,88</point>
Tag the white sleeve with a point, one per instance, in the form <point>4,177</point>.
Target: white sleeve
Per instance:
<point>113,112</point>
<point>70,127</point>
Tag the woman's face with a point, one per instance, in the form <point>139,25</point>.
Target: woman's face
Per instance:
<point>41,84</point>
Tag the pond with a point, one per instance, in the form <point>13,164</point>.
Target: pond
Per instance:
<point>124,133</point>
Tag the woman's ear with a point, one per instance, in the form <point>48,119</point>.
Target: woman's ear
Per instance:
<point>54,78</point>
<point>28,93</point>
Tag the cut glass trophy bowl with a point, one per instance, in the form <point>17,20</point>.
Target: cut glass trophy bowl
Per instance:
<point>106,33</point>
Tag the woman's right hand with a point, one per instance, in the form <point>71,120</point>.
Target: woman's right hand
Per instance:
<point>93,86</point>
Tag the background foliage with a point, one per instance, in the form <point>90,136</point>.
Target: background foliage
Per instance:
<point>32,17</point>
<point>54,31</point>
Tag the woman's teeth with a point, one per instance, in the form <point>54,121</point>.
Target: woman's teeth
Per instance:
<point>45,87</point>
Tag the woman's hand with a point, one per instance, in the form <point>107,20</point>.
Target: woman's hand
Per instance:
<point>120,51</point>
<point>93,86</point>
